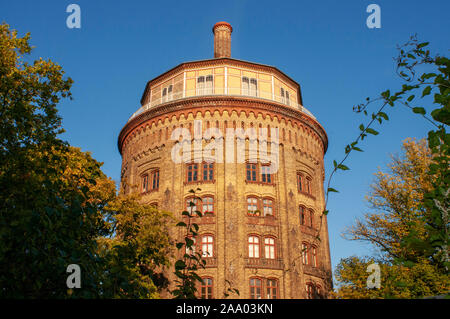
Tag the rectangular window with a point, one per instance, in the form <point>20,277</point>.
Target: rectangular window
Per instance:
<point>251,172</point>
<point>266,176</point>
<point>245,86</point>
<point>209,85</point>
<point>253,87</point>
<point>200,85</point>
<point>192,172</point>
<point>208,171</point>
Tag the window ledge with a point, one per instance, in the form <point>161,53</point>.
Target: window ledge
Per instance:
<point>307,194</point>
<point>199,182</point>
<point>259,183</point>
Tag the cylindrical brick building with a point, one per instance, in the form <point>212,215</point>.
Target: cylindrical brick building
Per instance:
<point>262,230</point>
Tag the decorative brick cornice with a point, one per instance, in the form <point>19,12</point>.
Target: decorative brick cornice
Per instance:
<point>221,104</point>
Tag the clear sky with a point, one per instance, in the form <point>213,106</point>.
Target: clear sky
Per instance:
<point>324,45</point>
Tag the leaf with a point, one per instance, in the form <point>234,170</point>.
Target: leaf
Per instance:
<point>371,131</point>
<point>426,91</point>
<point>330,189</point>
<point>343,167</point>
<point>383,115</point>
<point>419,110</point>
<point>410,98</point>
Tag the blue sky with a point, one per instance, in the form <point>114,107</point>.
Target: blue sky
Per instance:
<point>324,45</point>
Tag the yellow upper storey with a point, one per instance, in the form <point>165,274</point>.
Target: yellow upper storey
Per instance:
<point>219,77</point>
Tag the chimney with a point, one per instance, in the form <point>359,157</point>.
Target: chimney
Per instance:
<point>222,39</point>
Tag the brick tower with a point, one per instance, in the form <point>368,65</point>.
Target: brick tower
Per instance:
<point>262,218</point>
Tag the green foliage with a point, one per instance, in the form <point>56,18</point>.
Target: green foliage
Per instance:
<point>135,256</point>
<point>186,268</point>
<point>419,280</point>
<point>435,82</point>
<point>56,206</point>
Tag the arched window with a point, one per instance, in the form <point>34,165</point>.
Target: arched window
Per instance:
<point>208,205</point>
<point>314,256</point>
<point>269,248</point>
<point>155,179</point>
<point>206,288</point>
<point>305,253</point>
<point>309,290</point>
<point>318,292</point>
<point>272,289</point>
<point>245,85</point>
<point>191,250</point>
<point>302,215</point>
<point>200,85</point>
<point>191,206</point>
<point>209,84</point>
<point>255,288</point>
<point>308,185</point>
<point>311,218</point>
<point>252,206</point>
<point>299,182</point>
<point>207,246</point>
<point>253,246</point>
<point>145,183</point>
<point>267,207</point>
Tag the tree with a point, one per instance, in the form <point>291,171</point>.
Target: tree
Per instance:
<point>56,205</point>
<point>397,281</point>
<point>396,199</point>
<point>139,250</point>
